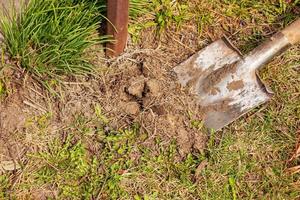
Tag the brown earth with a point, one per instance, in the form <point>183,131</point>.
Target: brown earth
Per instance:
<point>235,85</point>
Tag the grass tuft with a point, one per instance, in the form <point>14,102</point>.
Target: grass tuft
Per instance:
<point>52,37</point>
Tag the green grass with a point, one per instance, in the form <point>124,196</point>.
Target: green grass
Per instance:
<point>91,162</point>
<point>248,160</point>
<point>52,37</point>
<point>169,12</point>
<point>138,8</point>
<point>228,14</point>
<point>161,14</point>
<point>247,22</point>
<point>4,186</point>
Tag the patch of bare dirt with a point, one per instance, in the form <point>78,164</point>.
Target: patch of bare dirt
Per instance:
<point>12,119</point>
<point>139,86</point>
<point>144,89</point>
<point>235,85</point>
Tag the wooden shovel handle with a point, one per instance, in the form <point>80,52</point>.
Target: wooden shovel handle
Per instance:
<point>292,32</point>
<point>118,16</point>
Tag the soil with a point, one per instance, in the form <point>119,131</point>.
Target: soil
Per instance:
<point>235,85</point>
<point>12,119</point>
<point>139,86</point>
<point>218,75</point>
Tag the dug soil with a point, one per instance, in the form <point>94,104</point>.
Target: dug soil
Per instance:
<point>137,87</point>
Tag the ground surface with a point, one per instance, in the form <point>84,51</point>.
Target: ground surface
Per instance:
<point>131,132</point>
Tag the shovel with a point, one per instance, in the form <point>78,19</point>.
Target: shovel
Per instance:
<point>226,83</point>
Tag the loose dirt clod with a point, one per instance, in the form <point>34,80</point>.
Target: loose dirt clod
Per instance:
<point>159,110</point>
<point>131,108</point>
<point>235,85</point>
<point>200,141</point>
<point>153,86</point>
<point>184,142</point>
<point>137,87</point>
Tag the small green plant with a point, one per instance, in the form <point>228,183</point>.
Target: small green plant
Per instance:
<point>2,89</point>
<point>168,12</point>
<point>160,13</point>
<point>100,115</point>
<point>204,19</point>
<point>4,185</point>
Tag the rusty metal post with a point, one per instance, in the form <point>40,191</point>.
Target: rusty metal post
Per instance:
<point>118,16</point>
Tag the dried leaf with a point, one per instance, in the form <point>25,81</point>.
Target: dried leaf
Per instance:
<point>9,165</point>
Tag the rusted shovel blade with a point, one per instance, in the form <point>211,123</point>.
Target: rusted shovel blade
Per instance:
<point>224,86</point>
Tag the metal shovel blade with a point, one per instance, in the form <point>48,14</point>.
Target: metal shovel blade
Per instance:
<point>224,84</point>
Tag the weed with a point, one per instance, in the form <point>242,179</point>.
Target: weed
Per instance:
<point>117,163</point>
<point>204,19</point>
<point>161,176</point>
<point>161,14</point>
<point>41,122</point>
<point>136,28</point>
<point>5,90</point>
<point>2,89</point>
<point>197,124</point>
<point>66,164</point>
<point>4,185</point>
<point>168,12</point>
<point>100,115</point>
